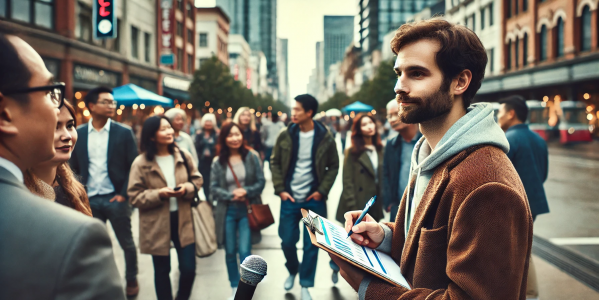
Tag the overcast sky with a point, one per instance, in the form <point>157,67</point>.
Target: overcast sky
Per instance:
<point>301,21</point>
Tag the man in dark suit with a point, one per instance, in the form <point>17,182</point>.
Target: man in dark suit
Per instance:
<point>528,153</point>
<point>397,159</point>
<point>47,251</point>
<point>103,157</point>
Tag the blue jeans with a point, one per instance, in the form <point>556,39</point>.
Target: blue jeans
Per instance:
<point>238,239</point>
<point>267,153</point>
<point>187,266</point>
<point>119,214</point>
<point>289,232</point>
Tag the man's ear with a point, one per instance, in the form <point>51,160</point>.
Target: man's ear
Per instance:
<point>463,82</point>
<point>7,126</point>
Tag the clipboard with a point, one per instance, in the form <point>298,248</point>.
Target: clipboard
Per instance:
<point>329,237</point>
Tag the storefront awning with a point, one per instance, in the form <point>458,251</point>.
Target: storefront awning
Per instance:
<point>130,94</point>
<point>175,94</point>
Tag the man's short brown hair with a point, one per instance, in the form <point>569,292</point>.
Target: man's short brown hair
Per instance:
<point>460,49</point>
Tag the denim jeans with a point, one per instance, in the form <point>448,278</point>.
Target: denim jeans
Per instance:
<point>187,267</point>
<point>289,232</point>
<point>267,153</point>
<point>119,215</point>
<point>238,239</point>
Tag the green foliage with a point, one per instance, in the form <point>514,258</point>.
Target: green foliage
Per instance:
<point>213,82</point>
<point>376,92</point>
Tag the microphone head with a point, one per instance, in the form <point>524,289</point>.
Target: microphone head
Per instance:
<point>253,269</point>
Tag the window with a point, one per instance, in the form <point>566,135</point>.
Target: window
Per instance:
<point>482,18</point>
<point>134,42</point>
<point>509,56</point>
<point>189,63</point>
<point>585,29</point>
<point>84,24</point>
<point>203,39</point>
<point>190,36</point>
<point>491,14</point>
<point>147,43</point>
<point>559,37</point>
<point>525,50</point>
<point>543,43</point>
<point>509,8</point>
<point>189,11</point>
<point>38,12</point>
<point>179,29</point>
<point>516,8</point>
<point>473,21</point>
<point>180,59</point>
<point>180,5</point>
<point>517,53</point>
<point>524,5</point>
<point>492,60</point>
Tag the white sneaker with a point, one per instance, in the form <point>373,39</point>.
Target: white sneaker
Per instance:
<point>305,294</point>
<point>289,282</point>
<point>233,294</point>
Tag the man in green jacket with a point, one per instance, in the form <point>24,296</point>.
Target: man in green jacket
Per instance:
<point>304,166</point>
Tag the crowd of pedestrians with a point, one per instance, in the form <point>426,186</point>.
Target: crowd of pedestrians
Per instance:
<point>433,168</point>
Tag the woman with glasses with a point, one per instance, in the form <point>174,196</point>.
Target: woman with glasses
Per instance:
<point>54,179</point>
<point>160,185</point>
<point>236,178</point>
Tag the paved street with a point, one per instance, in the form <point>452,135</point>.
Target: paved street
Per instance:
<point>573,201</point>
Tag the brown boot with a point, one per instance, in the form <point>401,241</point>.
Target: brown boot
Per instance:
<point>132,288</point>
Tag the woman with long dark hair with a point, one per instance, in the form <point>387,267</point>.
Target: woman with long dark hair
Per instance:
<point>205,144</point>
<point>236,179</point>
<point>54,179</point>
<point>159,185</point>
<point>362,169</point>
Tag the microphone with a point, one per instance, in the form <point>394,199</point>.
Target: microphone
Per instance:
<point>252,271</point>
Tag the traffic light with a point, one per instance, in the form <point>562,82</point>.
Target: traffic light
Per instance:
<point>105,19</point>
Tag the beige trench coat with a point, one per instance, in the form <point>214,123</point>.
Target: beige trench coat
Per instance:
<point>145,180</point>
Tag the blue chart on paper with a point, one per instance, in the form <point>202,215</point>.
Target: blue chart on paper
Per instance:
<point>338,239</point>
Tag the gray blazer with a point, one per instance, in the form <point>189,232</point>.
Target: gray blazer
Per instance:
<point>48,251</point>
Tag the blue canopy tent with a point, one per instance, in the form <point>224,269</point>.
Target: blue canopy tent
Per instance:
<point>357,107</point>
<point>130,94</point>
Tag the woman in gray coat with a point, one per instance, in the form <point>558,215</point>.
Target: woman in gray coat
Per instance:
<point>236,178</point>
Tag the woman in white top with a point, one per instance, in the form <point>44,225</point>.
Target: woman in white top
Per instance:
<point>160,185</point>
<point>362,169</point>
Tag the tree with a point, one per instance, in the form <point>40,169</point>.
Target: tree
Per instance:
<point>338,101</point>
<point>380,90</point>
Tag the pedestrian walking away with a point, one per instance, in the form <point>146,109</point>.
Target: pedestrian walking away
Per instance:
<point>103,160</point>
<point>161,187</point>
<point>528,153</point>
<point>304,165</point>
<point>178,119</point>
<point>463,222</point>
<point>205,144</point>
<point>270,132</point>
<point>48,251</point>
<point>397,159</point>
<point>237,179</point>
<point>53,179</point>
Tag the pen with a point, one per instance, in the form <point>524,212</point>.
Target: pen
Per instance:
<point>364,212</point>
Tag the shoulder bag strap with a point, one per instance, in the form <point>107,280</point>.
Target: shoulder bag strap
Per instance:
<point>247,201</point>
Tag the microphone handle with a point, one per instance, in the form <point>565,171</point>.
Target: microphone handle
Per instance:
<point>245,291</point>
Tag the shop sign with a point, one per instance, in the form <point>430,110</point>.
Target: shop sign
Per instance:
<point>96,76</point>
<point>104,15</point>
<point>176,83</point>
<point>165,22</point>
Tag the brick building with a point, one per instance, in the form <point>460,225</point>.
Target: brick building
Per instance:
<point>61,31</point>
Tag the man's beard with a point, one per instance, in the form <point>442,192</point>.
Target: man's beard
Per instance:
<point>421,110</point>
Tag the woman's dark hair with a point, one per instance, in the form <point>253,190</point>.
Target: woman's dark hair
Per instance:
<point>357,138</point>
<point>148,134</point>
<point>221,146</point>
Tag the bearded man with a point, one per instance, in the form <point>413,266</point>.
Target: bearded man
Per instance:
<point>464,228</point>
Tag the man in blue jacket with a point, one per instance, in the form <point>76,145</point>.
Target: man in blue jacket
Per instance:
<point>528,153</point>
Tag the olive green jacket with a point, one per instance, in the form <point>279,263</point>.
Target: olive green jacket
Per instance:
<point>360,184</point>
<point>326,161</point>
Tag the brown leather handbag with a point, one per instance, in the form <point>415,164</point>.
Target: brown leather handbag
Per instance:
<point>259,215</point>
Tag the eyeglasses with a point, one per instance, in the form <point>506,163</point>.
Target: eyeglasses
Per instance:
<point>56,92</point>
<point>107,103</point>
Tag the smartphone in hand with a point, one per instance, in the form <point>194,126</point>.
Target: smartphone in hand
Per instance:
<point>177,188</point>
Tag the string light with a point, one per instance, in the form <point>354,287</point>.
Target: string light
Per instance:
<point>252,110</point>
<point>122,106</point>
<point>81,104</point>
<point>230,109</point>
<point>586,96</point>
<point>189,105</point>
<point>207,103</point>
<point>280,113</point>
<point>142,106</point>
<point>373,112</point>
<point>545,99</point>
<point>86,113</point>
<point>134,106</point>
<point>119,112</point>
<point>211,110</point>
<point>220,111</point>
<point>270,108</point>
<point>78,95</point>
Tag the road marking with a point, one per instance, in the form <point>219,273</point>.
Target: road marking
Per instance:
<point>575,241</point>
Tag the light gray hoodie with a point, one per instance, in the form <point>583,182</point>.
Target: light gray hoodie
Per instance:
<point>477,127</point>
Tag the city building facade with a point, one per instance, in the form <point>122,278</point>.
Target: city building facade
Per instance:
<point>338,35</point>
<point>283,70</point>
<point>259,74</point>
<point>212,35</point>
<point>239,59</point>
